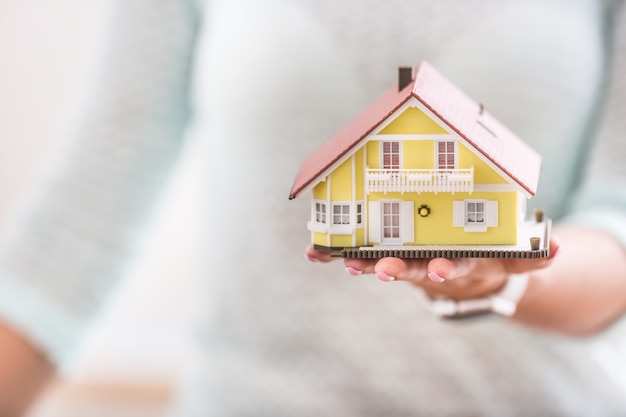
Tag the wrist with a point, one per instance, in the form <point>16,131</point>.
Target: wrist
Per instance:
<point>502,300</point>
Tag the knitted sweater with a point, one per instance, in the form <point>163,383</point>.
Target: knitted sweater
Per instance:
<point>257,87</point>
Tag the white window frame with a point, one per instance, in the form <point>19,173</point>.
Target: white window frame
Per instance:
<point>461,215</point>
<point>392,226</point>
<point>341,228</point>
<point>323,220</point>
<point>320,211</point>
<point>469,212</point>
<point>359,214</point>
<point>454,152</point>
<point>344,215</point>
<point>390,167</point>
<point>319,217</point>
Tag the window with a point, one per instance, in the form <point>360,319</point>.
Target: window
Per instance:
<point>391,221</point>
<point>359,214</point>
<point>341,214</point>
<point>391,155</point>
<point>446,159</point>
<point>320,213</point>
<point>342,217</point>
<point>475,213</point>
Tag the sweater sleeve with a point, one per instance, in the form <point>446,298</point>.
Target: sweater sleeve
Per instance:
<point>67,244</point>
<point>601,199</point>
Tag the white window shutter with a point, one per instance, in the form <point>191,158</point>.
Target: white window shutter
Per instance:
<point>492,213</point>
<point>408,222</point>
<point>374,221</point>
<point>458,213</point>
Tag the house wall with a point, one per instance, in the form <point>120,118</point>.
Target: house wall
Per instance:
<point>341,182</point>
<point>412,121</point>
<point>417,153</point>
<point>417,135</point>
<point>483,173</point>
<point>346,183</point>
<point>359,173</point>
<point>341,190</point>
<point>437,228</point>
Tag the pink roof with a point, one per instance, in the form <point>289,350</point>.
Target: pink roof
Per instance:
<point>462,114</point>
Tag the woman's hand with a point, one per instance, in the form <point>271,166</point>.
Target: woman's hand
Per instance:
<point>458,278</point>
<point>579,292</point>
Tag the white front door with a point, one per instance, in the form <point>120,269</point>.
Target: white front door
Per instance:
<point>391,222</point>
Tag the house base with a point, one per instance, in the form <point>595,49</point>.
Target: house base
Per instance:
<point>522,250</point>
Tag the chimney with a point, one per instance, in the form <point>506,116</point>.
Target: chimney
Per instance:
<point>405,76</point>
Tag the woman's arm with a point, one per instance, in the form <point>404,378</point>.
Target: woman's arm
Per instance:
<point>584,288</point>
<point>67,245</point>
<point>24,372</point>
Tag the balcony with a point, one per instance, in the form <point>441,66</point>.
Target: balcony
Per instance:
<point>419,181</point>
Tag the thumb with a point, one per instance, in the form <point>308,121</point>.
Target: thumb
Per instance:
<point>517,266</point>
<point>440,269</point>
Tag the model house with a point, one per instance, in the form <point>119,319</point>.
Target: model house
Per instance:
<point>423,171</point>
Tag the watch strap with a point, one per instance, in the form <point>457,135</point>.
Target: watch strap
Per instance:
<point>503,302</point>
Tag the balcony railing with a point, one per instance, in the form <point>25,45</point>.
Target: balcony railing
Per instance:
<point>419,181</point>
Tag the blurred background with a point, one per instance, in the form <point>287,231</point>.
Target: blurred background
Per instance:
<point>130,363</point>
<point>134,355</point>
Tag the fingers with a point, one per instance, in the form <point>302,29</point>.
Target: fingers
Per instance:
<point>386,269</point>
<point>442,269</point>
<point>389,269</point>
<point>519,266</point>
<point>414,270</point>
<point>425,272</point>
<point>314,255</point>
<point>417,271</point>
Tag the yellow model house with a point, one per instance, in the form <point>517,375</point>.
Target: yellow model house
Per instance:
<point>424,171</point>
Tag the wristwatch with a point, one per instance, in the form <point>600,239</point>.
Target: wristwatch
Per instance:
<point>503,302</point>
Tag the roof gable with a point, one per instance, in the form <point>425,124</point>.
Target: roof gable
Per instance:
<point>460,113</point>
<point>412,121</point>
<point>483,132</point>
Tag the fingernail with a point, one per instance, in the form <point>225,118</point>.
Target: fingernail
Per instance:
<point>384,277</point>
<point>310,258</point>
<point>354,272</point>
<point>435,278</point>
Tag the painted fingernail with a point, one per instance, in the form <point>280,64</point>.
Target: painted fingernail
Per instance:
<point>435,278</point>
<point>310,258</point>
<point>384,277</point>
<point>354,272</point>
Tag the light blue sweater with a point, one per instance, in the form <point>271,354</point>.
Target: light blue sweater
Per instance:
<point>260,86</point>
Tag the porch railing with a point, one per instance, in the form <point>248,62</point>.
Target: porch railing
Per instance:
<point>419,181</point>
